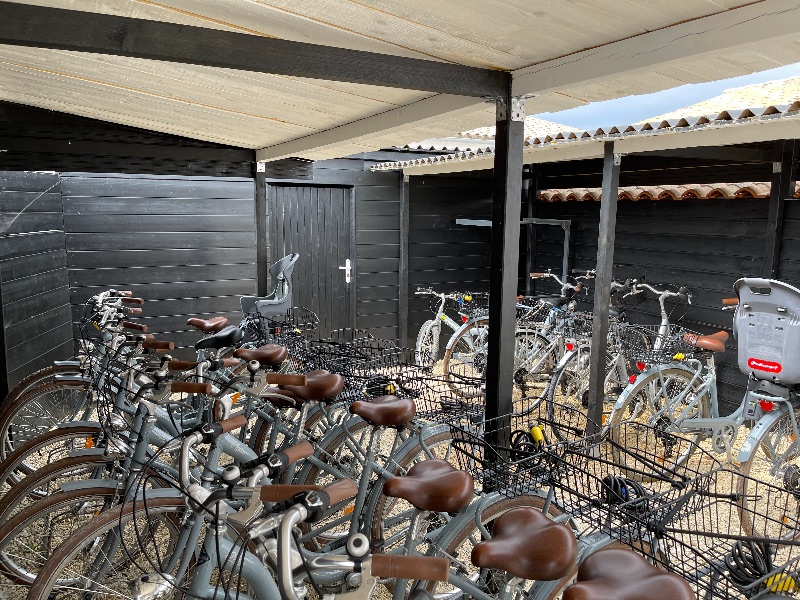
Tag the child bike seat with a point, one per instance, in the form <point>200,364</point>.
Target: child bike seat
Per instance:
<point>767,327</point>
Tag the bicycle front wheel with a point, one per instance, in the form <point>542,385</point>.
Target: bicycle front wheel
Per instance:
<point>657,401</point>
<point>464,365</point>
<point>95,562</point>
<point>428,343</point>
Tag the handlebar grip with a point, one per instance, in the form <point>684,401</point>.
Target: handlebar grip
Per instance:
<point>127,300</point>
<point>299,451</point>
<point>158,345</point>
<point>181,365</point>
<point>535,275</point>
<point>149,337</point>
<point>281,492</point>
<point>730,301</point>
<point>230,424</point>
<point>134,326</point>
<point>191,387</point>
<point>426,568</point>
<point>339,490</point>
<point>133,311</point>
<point>577,288</point>
<point>286,379</point>
<point>231,362</point>
<point>126,293</point>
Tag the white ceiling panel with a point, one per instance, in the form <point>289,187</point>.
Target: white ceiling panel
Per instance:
<point>565,52</point>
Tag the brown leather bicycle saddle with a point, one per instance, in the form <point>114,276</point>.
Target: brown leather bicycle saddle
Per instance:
<point>269,355</point>
<point>714,342</point>
<point>433,485</point>
<point>385,411</point>
<point>624,575</point>
<point>209,325</point>
<point>320,385</point>
<point>527,544</point>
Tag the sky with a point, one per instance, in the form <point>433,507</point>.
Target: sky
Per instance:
<point>631,109</point>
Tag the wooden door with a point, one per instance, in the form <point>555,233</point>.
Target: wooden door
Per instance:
<point>318,223</point>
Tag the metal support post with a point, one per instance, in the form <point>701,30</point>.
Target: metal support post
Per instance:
<point>784,175</point>
<point>506,210</point>
<point>405,207</point>
<point>261,231</point>
<point>602,290</point>
<point>530,229</point>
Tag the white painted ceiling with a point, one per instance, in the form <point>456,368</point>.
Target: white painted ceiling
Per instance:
<point>567,52</point>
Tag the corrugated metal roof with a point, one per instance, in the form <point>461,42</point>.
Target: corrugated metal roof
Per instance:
<point>564,140</point>
<point>557,49</point>
<point>706,191</point>
<point>482,138</point>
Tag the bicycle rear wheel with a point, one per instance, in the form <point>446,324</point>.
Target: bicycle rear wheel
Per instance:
<point>776,461</point>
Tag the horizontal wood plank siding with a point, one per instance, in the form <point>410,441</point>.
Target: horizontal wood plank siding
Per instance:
<point>185,244</point>
<point>377,236</point>
<point>443,255</point>
<point>34,284</point>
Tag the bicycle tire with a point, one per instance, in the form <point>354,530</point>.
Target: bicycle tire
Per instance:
<point>45,481</point>
<point>26,459</point>
<point>169,511</point>
<point>37,411</point>
<point>380,509</point>
<point>782,498</point>
<point>427,346</point>
<point>464,364</point>
<point>651,390</point>
<point>534,360</point>
<point>337,452</point>
<point>28,540</point>
<point>44,375</point>
<point>451,542</point>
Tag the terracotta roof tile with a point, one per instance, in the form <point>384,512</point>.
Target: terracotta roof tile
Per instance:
<point>752,189</point>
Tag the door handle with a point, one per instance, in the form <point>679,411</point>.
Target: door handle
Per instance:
<point>346,269</point>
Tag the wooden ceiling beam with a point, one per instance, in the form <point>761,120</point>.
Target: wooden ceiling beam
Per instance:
<point>61,29</point>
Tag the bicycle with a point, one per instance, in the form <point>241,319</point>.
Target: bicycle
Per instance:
<point>677,393</point>
<point>429,336</point>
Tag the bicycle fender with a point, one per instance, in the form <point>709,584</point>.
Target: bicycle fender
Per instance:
<point>89,484</point>
<point>70,424</point>
<point>751,441</point>
<point>87,452</point>
<point>623,397</point>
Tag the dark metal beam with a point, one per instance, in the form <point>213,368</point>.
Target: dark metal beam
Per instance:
<point>262,284</point>
<point>45,27</point>
<point>531,178</point>
<point>602,290</point>
<point>405,207</point>
<point>715,153</point>
<point>784,168</point>
<point>504,263</point>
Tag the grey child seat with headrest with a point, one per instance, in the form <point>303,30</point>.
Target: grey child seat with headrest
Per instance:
<point>767,328</point>
<point>280,300</point>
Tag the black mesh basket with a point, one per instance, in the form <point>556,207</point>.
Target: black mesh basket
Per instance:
<point>532,312</point>
<point>475,304</point>
<point>516,453</point>
<point>729,535</point>
<point>576,326</point>
<point>644,343</point>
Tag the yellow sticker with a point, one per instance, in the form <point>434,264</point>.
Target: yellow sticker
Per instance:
<point>468,298</point>
<point>443,317</point>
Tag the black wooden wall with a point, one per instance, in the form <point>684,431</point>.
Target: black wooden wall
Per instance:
<point>377,235</point>
<point>184,244</point>
<point>34,288</point>
<point>443,255</point>
<point>704,245</point>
